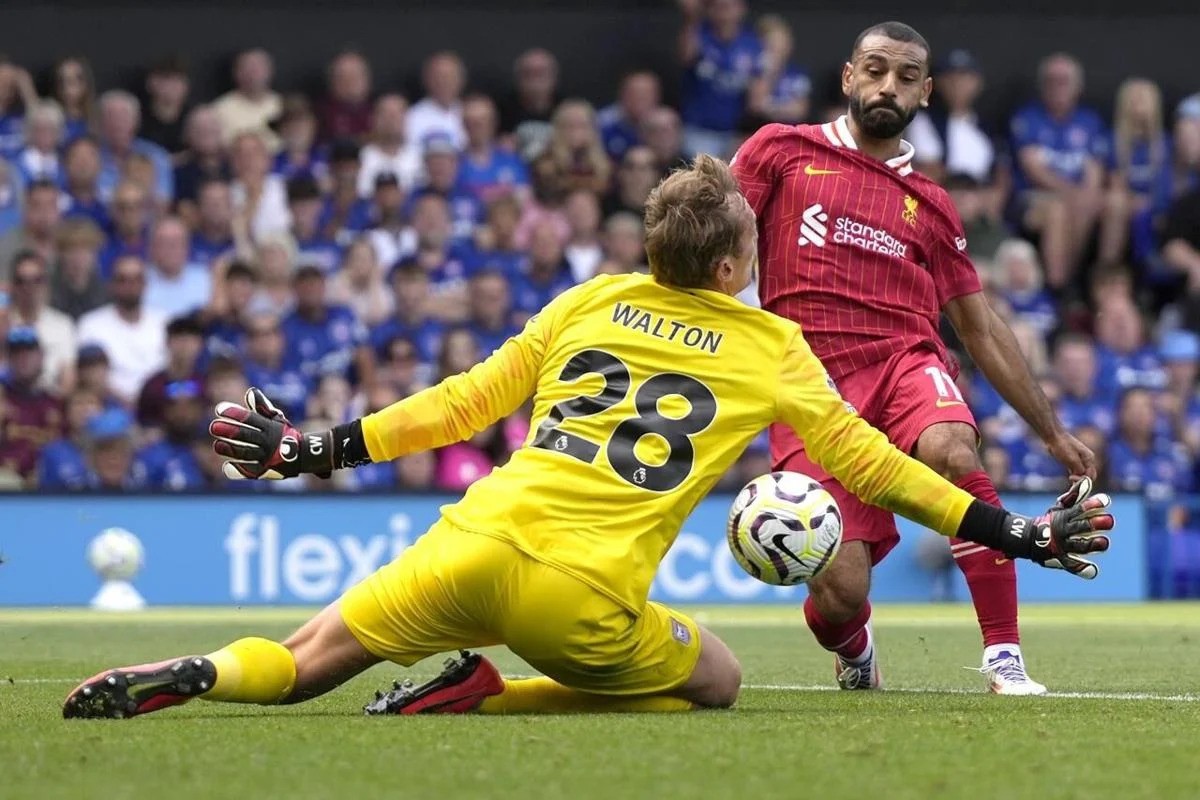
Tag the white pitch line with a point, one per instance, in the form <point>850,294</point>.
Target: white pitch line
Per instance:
<point>1175,698</point>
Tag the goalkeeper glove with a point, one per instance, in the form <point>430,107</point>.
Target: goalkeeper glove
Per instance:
<point>258,441</point>
<point>1073,525</point>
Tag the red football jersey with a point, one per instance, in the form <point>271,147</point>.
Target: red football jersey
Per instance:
<point>862,253</point>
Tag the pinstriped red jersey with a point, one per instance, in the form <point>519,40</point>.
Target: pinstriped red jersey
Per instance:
<point>862,253</point>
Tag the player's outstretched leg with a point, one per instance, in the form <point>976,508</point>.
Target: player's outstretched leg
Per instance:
<point>839,614</point>
<point>315,659</point>
<point>949,448</point>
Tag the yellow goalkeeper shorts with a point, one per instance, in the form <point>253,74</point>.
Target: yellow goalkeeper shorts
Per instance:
<point>459,589</point>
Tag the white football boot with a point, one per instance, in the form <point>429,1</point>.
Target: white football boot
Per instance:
<point>1004,669</point>
<point>863,672</point>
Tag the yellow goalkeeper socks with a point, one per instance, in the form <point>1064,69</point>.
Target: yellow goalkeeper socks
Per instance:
<point>252,670</point>
<point>543,695</point>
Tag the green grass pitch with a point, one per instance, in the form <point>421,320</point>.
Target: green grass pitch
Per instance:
<point>1131,730</point>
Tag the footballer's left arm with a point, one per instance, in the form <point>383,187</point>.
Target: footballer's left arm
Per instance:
<point>994,349</point>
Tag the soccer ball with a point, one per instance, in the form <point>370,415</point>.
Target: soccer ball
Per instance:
<point>115,554</point>
<point>784,528</point>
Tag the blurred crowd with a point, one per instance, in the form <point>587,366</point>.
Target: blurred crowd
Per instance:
<point>160,252</point>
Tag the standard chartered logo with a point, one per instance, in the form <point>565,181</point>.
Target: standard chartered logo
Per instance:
<point>814,230</point>
<point>812,226</point>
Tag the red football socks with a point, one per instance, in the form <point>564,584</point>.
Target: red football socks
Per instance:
<point>991,577</point>
<point>847,639</point>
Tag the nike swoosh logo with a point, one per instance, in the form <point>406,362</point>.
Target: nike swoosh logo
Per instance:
<point>1001,562</point>
<point>949,403</point>
<point>809,169</point>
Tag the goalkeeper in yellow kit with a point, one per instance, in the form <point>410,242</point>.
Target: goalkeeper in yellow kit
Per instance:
<point>646,390</point>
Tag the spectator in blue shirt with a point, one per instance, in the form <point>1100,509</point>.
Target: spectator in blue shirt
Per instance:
<point>38,159</point>
<point>441,178</point>
<point>10,197</point>
<point>170,462</point>
<point>17,96</point>
<point>620,122</point>
<point>81,176</point>
<point>75,91</point>
<point>410,317</point>
<point>131,215</point>
<point>380,476</point>
<point>1139,461</point>
<point>120,117</point>
<point>1075,368</point>
<point>1060,149</point>
<point>1016,263</point>
<point>548,276</point>
<point>446,262</point>
<point>234,290</point>
<point>265,368</point>
<point>1125,359</point>
<point>212,235</point>
<point>175,285</point>
<point>491,311</point>
<point>495,245</point>
<point>486,169</point>
<point>390,236</point>
<point>112,463</point>
<point>345,214</point>
<point>203,160</point>
<point>305,206</point>
<point>63,464</point>
<point>323,339</point>
<point>1179,351</point>
<point>1140,164</point>
<point>722,57</point>
<point>781,94</point>
<point>299,155</point>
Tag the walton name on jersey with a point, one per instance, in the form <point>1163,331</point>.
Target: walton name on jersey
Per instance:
<point>671,330</point>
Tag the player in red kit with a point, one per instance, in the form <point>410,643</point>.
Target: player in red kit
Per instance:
<point>866,254</point>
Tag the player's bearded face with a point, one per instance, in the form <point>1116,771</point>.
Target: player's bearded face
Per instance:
<point>881,117</point>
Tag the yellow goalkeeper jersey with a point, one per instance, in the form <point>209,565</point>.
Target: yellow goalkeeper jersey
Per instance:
<point>644,396</point>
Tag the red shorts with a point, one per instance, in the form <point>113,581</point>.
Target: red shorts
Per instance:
<point>902,396</point>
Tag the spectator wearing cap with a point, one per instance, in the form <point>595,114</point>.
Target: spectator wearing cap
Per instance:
<point>345,111</point>
<point>305,205</point>
<point>259,198</point>
<point>39,158</point>
<point>36,232</point>
<point>390,236</point>
<point>441,178</point>
<point>637,174</point>
<point>548,276</point>
<point>170,462</point>
<point>132,213</point>
<point>411,317</point>
<point>620,122</point>
<point>525,112</point>
<point>62,464</point>
<point>722,57</point>
<point>80,195</point>
<point>495,245</point>
<point>486,169</point>
<point>1140,169</point>
<point>212,234</point>
<point>663,134</point>
<point>1060,149</point>
<point>358,283</point>
<point>175,285</point>
<point>185,344</point>
<point>120,119</point>
<point>346,214</point>
<point>133,336</point>
<point>202,161</point>
<point>92,371</point>
<point>444,76</point>
<point>112,462</point>
<point>782,93</point>
<point>234,290</point>
<point>323,338</point>
<point>949,138</point>
<point>491,319</point>
<point>1019,276</point>
<point>55,330</point>
<point>1179,352</point>
<point>299,154</point>
<point>583,250</point>
<point>167,89</point>
<point>251,105</point>
<point>77,287</point>
<point>389,151</point>
<point>1075,368</point>
<point>33,417</point>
